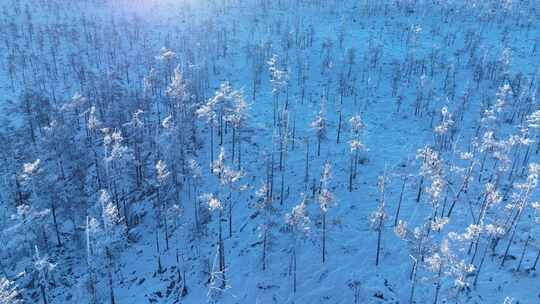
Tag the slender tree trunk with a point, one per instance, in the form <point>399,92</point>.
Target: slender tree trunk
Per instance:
<point>379,236</point>
<point>230,215</point>
<point>413,280</point>
<point>294,269</point>
<point>282,194</point>
<point>524,250</point>
<point>318,146</point>
<point>233,145</point>
<point>239,149</point>
<point>166,232</point>
<point>418,196</point>
<point>43,294</point>
<point>351,174</point>
<point>264,249</point>
<point>221,252</point>
<point>306,173</point>
<point>438,288</point>
<point>399,203</point>
<point>211,144</point>
<point>196,208</point>
<point>479,268</point>
<point>53,209</point>
<point>339,128</point>
<point>111,289</point>
<point>536,260</point>
<point>324,237</point>
<point>160,268</point>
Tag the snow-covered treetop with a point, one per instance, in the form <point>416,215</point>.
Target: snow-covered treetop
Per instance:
<point>161,171</point>
<point>278,77</point>
<point>319,124</point>
<point>212,201</point>
<point>195,169</point>
<point>109,212</point>
<point>166,54</point>
<point>76,102</point>
<point>446,123</point>
<point>226,175</point>
<point>136,121</point>
<point>325,197</point>
<point>431,163</point>
<point>113,140</point>
<point>177,88</point>
<point>298,218</point>
<point>93,122</point>
<point>533,120</point>
<point>31,169</point>
<point>356,124</point>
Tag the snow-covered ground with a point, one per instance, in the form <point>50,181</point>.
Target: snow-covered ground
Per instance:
<point>412,59</point>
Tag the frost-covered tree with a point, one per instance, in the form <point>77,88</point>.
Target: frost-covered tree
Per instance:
<point>113,234</point>
<point>298,223</point>
<point>9,292</point>
<point>43,267</point>
<point>356,145</point>
<point>91,230</point>
<point>319,126</point>
<point>162,177</point>
<point>116,156</point>
<point>226,105</point>
<point>443,131</point>
<point>377,217</point>
<point>229,179</point>
<point>175,213</point>
<point>279,80</point>
<point>195,174</point>
<point>217,277</point>
<point>236,115</point>
<point>325,199</point>
<point>521,202</point>
<point>265,209</point>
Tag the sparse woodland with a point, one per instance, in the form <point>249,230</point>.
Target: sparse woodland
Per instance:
<point>261,151</point>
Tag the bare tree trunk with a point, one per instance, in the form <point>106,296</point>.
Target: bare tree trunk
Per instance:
<point>306,173</point>
<point>399,203</point>
<point>211,144</point>
<point>294,269</point>
<point>536,260</point>
<point>379,236</point>
<point>413,279</point>
<point>524,250</point>
<point>43,294</point>
<point>339,128</point>
<point>418,196</point>
<point>111,289</point>
<point>264,249</point>
<point>230,215</point>
<point>53,209</point>
<point>438,288</point>
<point>324,237</point>
<point>221,252</point>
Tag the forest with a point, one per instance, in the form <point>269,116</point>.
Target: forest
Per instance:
<point>269,151</point>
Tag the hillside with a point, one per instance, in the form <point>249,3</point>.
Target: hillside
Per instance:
<point>261,151</point>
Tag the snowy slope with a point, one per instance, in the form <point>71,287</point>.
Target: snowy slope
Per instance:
<point>436,49</point>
